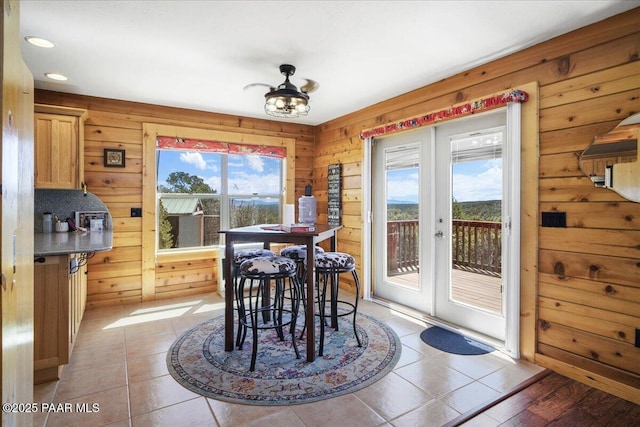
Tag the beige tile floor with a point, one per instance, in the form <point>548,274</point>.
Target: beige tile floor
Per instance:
<point>119,364</point>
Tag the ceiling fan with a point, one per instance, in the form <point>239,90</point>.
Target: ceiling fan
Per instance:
<point>286,100</point>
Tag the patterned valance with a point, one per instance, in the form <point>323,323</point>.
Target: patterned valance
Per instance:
<point>172,143</point>
<point>456,111</point>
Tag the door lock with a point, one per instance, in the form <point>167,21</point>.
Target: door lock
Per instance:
<point>440,235</point>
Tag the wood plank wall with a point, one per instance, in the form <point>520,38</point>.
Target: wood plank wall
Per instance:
<point>587,293</point>
<point>115,277</point>
<point>585,283</point>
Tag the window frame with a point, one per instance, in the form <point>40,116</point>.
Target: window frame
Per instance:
<point>225,196</point>
<point>150,131</point>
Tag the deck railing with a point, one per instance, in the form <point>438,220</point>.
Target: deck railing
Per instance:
<point>476,245</point>
<point>402,246</point>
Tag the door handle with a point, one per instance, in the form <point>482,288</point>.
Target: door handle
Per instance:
<point>440,235</point>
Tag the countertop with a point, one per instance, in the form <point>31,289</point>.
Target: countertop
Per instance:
<point>46,244</point>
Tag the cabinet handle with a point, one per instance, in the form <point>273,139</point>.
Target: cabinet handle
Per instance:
<point>40,260</point>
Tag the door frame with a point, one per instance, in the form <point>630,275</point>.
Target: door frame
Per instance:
<point>521,305</point>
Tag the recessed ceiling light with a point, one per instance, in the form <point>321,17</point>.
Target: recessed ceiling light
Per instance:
<point>39,41</point>
<point>56,76</point>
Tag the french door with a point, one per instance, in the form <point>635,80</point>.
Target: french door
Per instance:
<point>441,217</point>
<point>401,273</point>
<point>469,289</point>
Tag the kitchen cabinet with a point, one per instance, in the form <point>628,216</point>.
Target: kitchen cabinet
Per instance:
<point>78,295</point>
<point>59,146</point>
<point>59,302</point>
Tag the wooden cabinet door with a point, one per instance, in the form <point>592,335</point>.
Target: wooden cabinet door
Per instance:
<point>56,151</point>
<point>51,316</point>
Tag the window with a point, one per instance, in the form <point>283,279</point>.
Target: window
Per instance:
<point>203,186</point>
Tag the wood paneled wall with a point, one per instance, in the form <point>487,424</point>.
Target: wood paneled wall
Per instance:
<point>115,277</point>
<point>580,287</point>
<point>586,287</point>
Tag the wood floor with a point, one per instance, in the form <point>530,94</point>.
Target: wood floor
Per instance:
<point>554,400</point>
<point>479,290</point>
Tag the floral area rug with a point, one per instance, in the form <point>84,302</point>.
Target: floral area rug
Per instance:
<point>197,360</point>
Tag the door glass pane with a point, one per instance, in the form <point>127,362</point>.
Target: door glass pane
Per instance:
<point>476,207</point>
<point>402,190</point>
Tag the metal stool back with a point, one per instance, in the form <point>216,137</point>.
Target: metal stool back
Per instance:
<point>265,311</point>
<point>238,258</point>
<point>329,266</point>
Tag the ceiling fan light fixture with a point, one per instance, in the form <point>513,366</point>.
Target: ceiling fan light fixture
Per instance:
<point>288,105</point>
<point>286,100</point>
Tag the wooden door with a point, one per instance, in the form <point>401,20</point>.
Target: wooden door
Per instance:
<point>16,229</point>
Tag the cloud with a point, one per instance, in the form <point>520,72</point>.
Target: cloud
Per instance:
<point>214,183</point>
<point>403,186</point>
<point>472,181</point>
<point>195,159</point>
<point>486,184</point>
<point>256,163</point>
<point>245,183</point>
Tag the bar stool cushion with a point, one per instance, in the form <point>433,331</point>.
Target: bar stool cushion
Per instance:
<point>268,265</point>
<point>299,251</point>
<point>335,261</point>
<point>242,255</point>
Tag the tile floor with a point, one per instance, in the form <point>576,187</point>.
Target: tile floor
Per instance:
<point>119,363</point>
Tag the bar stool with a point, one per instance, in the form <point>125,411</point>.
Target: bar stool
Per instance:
<point>298,253</point>
<point>259,272</point>
<point>238,258</point>
<point>329,266</point>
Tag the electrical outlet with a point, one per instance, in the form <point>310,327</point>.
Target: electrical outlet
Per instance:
<point>136,212</point>
<point>554,219</point>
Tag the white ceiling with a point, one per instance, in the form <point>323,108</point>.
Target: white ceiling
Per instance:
<point>201,54</point>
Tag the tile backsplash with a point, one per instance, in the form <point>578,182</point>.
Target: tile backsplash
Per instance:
<point>64,204</point>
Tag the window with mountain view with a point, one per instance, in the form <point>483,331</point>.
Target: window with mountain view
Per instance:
<point>201,191</point>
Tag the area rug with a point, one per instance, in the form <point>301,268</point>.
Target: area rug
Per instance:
<point>451,342</point>
<point>197,360</point>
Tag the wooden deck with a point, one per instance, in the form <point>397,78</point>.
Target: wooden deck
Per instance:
<point>479,290</point>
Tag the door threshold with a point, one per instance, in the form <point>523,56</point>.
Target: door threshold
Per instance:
<point>418,315</point>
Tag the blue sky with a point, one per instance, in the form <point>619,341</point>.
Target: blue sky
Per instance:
<point>472,181</point>
<point>248,174</point>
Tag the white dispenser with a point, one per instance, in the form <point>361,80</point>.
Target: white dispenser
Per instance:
<point>307,206</point>
<point>47,222</point>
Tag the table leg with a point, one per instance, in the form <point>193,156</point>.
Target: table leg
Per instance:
<point>335,278</point>
<point>266,301</point>
<point>310,320</point>
<point>228,297</point>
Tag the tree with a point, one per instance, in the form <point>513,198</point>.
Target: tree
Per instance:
<point>182,182</point>
<point>456,209</point>
<point>165,235</point>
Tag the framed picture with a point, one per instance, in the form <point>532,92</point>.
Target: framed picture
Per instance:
<point>113,158</point>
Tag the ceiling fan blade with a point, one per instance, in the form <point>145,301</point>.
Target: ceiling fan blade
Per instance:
<point>309,86</point>
<point>259,84</point>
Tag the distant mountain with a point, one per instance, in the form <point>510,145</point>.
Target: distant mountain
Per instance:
<point>489,210</point>
<point>401,202</point>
